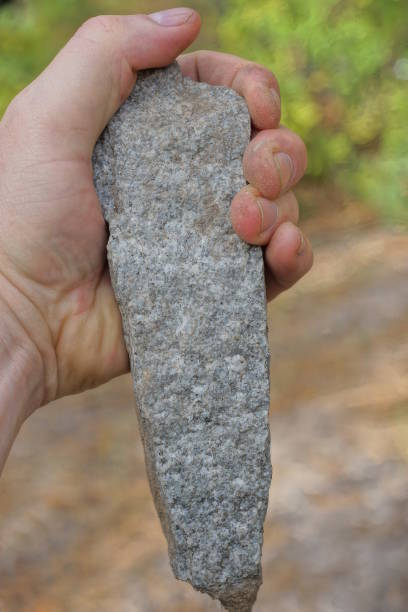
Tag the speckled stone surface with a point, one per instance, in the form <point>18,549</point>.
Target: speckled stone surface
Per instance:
<point>192,299</point>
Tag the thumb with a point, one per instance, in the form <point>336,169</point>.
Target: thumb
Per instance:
<point>94,73</point>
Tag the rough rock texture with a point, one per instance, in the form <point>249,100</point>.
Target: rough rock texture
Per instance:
<point>192,299</point>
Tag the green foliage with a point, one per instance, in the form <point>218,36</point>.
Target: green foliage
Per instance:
<point>30,35</point>
<point>343,70</point>
<point>342,66</point>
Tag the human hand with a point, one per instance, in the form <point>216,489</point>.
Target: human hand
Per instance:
<point>62,328</point>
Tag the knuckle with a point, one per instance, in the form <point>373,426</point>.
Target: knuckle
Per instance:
<point>16,112</point>
<point>250,73</point>
<point>259,73</point>
<point>15,107</point>
<point>293,208</point>
<point>288,208</point>
<point>255,70</point>
<point>251,68</point>
<point>302,152</point>
<point>302,146</point>
<point>101,25</point>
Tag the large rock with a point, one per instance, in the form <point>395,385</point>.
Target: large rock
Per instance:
<point>192,299</point>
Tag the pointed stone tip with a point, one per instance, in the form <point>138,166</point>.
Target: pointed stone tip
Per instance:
<point>240,606</point>
<point>241,597</point>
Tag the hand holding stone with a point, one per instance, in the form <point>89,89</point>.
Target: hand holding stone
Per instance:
<point>61,329</point>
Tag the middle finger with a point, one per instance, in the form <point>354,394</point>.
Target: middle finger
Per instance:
<point>274,161</point>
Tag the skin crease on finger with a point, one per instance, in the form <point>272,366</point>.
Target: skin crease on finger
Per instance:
<point>54,285</point>
<point>288,257</point>
<point>275,161</point>
<point>255,218</point>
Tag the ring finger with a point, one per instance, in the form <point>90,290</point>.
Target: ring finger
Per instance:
<point>255,219</point>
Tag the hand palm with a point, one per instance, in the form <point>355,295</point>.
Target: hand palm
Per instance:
<point>59,253</point>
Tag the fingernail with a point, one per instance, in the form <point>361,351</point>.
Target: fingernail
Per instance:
<point>284,166</point>
<point>302,244</point>
<point>172,17</point>
<point>269,213</point>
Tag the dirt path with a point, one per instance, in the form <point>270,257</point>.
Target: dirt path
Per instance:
<point>78,530</point>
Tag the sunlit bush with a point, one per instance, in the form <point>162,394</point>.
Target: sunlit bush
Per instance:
<point>31,33</point>
<point>343,70</point>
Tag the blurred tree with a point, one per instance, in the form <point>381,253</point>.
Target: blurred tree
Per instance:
<point>342,65</point>
<point>343,70</point>
<point>30,35</point>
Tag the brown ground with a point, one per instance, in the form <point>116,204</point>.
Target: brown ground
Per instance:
<point>79,532</point>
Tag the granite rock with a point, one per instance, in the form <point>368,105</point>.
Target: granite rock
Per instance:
<point>192,300</point>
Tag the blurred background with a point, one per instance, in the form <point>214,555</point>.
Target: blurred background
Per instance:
<point>78,530</point>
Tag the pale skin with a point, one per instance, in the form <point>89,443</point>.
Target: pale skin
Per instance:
<point>60,328</point>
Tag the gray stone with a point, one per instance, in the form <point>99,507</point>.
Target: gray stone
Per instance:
<point>192,299</point>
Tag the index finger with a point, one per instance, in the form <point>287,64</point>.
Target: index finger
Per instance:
<point>254,82</point>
